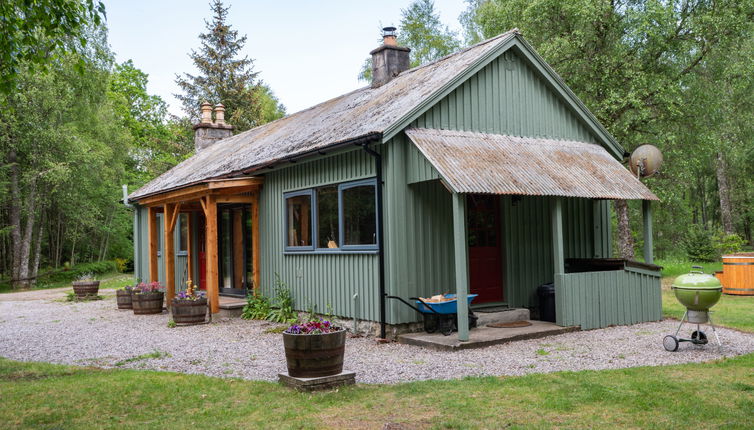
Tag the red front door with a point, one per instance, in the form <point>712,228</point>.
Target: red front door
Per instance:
<point>485,248</point>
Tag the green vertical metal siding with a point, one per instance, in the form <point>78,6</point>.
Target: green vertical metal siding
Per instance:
<point>141,249</point>
<point>317,279</point>
<point>506,97</point>
<point>600,299</point>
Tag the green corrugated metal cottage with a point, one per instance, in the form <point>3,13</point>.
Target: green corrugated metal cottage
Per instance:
<point>480,172</point>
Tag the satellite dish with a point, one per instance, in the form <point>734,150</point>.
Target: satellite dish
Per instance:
<point>645,161</point>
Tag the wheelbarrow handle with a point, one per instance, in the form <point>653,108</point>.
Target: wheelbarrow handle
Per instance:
<point>425,305</point>
<point>412,306</point>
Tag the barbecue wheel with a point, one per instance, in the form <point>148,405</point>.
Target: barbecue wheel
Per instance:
<point>699,337</point>
<point>670,343</point>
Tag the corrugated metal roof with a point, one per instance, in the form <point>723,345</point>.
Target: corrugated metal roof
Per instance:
<point>366,111</point>
<point>497,164</point>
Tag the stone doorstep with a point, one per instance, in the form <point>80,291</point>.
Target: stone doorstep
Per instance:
<point>320,383</point>
<point>231,307</point>
<point>484,336</point>
<point>506,316</point>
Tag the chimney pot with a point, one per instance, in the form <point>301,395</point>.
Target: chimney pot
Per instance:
<point>219,114</point>
<point>389,36</point>
<point>206,109</point>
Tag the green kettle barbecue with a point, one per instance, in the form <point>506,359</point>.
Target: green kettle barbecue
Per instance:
<point>698,292</point>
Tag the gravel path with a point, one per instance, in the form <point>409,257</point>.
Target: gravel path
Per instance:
<point>95,333</point>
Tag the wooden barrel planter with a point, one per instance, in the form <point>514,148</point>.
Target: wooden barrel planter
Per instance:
<point>738,274</point>
<point>314,355</point>
<point>148,303</point>
<point>189,311</point>
<point>85,289</point>
<point>123,298</point>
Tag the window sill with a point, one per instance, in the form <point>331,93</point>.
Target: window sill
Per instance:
<point>335,252</point>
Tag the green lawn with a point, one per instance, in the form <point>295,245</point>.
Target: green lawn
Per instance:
<point>51,396</point>
<point>108,280</point>
<point>673,268</point>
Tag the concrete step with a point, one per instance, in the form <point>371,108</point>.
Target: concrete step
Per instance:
<point>502,316</point>
<point>231,307</point>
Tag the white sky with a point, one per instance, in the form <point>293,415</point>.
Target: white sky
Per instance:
<point>307,51</point>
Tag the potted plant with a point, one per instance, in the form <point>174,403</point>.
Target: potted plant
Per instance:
<point>314,349</point>
<point>123,297</point>
<point>85,286</point>
<point>190,306</point>
<point>147,298</point>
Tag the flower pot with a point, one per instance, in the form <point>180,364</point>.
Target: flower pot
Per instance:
<point>123,297</point>
<point>189,311</point>
<point>148,303</point>
<point>314,355</point>
<point>85,289</point>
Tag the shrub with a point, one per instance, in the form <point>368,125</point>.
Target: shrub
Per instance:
<point>282,304</point>
<point>700,245</point>
<point>75,272</point>
<point>256,308</point>
<point>728,243</point>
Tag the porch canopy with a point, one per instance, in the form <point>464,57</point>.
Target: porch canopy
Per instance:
<point>482,163</point>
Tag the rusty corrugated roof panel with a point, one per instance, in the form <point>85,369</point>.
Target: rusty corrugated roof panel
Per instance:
<point>498,164</point>
<point>366,111</point>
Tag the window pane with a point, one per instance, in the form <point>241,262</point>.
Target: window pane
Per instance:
<point>183,241</point>
<point>298,210</point>
<point>327,217</point>
<point>359,215</point>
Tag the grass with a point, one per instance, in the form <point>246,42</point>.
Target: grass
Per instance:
<point>673,268</point>
<point>108,280</point>
<point>151,355</point>
<point>37,395</point>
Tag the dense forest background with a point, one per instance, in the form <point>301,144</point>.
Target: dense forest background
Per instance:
<point>75,125</point>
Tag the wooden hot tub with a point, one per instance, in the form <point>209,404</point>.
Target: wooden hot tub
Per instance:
<point>738,274</point>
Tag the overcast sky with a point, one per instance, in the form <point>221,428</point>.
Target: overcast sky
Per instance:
<point>307,51</point>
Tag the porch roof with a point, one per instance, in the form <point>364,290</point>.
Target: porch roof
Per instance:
<point>471,162</point>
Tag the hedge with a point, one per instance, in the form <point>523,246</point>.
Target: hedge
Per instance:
<point>96,268</point>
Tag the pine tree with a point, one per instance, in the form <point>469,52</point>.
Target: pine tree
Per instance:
<point>223,76</point>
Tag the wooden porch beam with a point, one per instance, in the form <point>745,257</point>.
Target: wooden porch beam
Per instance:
<point>255,242</point>
<point>169,252</point>
<point>154,271</point>
<point>460,248</point>
<point>213,292</point>
<point>192,192</point>
<point>204,205</point>
<point>174,217</point>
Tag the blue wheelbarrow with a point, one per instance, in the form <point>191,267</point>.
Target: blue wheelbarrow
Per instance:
<point>440,316</point>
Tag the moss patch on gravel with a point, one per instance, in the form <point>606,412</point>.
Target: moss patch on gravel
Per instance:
<point>37,395</point>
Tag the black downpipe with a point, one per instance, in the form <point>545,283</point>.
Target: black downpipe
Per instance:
<point>380,229</point>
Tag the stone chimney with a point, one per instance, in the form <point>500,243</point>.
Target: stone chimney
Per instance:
<point>389,59</point>
<point>207,132</point>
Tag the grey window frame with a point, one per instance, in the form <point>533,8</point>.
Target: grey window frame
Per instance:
<point>179,221</point>
<point>342,248</point>
<point>312,218</point>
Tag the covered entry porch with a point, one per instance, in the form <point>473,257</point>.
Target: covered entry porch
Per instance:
<point>535,180</point>
<point>221,229</point>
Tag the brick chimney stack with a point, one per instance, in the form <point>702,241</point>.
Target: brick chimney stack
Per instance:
<point>207,132</point>
<point>389,59</point>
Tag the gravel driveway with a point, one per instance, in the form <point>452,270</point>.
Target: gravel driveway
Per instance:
<point>95,333</point>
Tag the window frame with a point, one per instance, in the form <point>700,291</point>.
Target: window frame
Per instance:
<point>314,218</point>
<point>179,252</point>
<point>341,227</point>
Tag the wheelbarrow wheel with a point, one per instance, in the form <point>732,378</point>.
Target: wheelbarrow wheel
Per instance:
<point>670,343</point>
<point>447,325</point>
<point>430,323</point>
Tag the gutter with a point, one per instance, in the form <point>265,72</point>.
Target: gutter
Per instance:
<point>378,170</point>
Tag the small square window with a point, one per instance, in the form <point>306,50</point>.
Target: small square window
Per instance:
<point>298,209</point>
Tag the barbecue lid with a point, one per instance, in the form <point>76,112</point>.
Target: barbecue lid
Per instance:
<point>697,280</point>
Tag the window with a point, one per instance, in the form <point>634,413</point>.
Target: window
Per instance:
<point>332,218</point>
<point>183,238</point>
<point>299,220</point>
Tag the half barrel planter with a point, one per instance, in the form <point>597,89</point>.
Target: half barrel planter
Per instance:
<point>85,289</point>
<point>123,298</point>
<point>189,311</point>
<point>314,355</point>
<point>148,303</point>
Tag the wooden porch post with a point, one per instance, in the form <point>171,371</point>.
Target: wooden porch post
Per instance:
<point>213,292</point>
<point>189,244</point>
<point>169,249</point>
<point>460,247</point>
<point>255,244</point>
<point>558,259</point>
<point>154,274</point>
<point>646,206</point>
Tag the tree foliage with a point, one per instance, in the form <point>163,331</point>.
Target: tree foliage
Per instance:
<point>226,77</point>
<point>31,32</point>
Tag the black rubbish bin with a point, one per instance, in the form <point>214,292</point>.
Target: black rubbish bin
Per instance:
<point>546,294</point>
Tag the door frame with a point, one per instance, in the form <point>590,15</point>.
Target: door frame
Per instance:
<point>499,207</point>
<point>246,237</point>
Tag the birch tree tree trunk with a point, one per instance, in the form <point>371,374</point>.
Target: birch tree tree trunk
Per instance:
<point>37,251</point>
<point>723,190</point>
<point>23,272</point>
<point>15,220</point>
<point>625,240</point>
